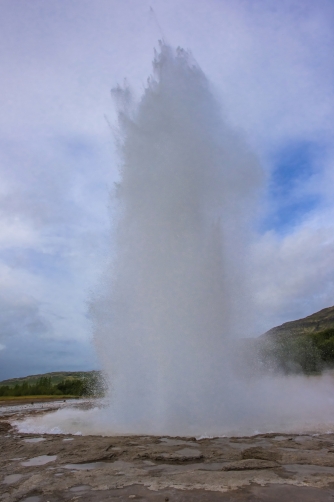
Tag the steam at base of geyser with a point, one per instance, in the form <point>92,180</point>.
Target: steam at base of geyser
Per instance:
<point>281,404</point>
<point>175,294</point>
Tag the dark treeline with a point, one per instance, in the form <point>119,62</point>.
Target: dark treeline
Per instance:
<point>44,387</point>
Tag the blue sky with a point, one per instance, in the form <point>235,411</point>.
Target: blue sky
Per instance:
<point>271,66</point>
<point>290,197</point>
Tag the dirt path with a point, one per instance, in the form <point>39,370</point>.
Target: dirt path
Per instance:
<point>265,467</point>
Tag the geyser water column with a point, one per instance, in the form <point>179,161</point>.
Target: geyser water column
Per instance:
<point>174,291</point>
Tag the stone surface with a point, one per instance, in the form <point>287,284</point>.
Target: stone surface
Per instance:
<point>268,467</point>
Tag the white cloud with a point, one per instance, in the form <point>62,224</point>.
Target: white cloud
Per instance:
<point>15,232</point>
<point>294,275</point>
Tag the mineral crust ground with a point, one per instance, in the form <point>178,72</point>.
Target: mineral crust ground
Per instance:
<point>267,467</point>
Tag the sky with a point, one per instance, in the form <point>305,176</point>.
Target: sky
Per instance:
<point>270,65</point>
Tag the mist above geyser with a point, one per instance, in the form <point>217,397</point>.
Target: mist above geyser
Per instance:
<point>175,291</point>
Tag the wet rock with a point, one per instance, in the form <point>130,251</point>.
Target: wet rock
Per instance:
<point>184,455</point>
<point>249,464</point>
<point>5,427</point>
<point>262,454</point>
<point>100,469</point>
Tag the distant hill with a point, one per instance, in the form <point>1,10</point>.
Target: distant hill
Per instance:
<point>320,321</point>
<point>56,377</point>
<point>302,346</point>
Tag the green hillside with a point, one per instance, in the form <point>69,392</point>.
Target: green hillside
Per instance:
<point>58,383</point>
<point>320,321</point>
<point>56,377</point>
<point>302,346</point>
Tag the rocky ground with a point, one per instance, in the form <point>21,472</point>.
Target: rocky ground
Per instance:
<point>265,467</point>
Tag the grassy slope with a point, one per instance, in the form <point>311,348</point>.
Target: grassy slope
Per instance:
<point>38,397</point>
<point>320,321</point>
<point>56,377</point>
<point>302,346</point>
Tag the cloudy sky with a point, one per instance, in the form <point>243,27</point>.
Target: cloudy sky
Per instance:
<point>271,65</point>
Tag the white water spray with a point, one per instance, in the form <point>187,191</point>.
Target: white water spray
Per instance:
<point>174,293</point>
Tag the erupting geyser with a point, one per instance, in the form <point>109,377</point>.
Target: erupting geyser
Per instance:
<point>175,294</point>
<point>171,296</point>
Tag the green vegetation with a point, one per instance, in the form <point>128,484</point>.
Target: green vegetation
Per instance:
<point>302,346</point>
<point>56,377</point>
<point>50,384</point>
<point>300,353</point>
<point>324,343</point>
<point>315,323</point>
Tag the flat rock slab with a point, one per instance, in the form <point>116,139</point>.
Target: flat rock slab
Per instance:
<point>249,464</point>
<point>182,455</point>
<point>274,493</point>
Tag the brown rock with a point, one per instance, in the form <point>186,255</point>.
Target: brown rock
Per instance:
<point>249,464</point>
<point>261,454</point>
